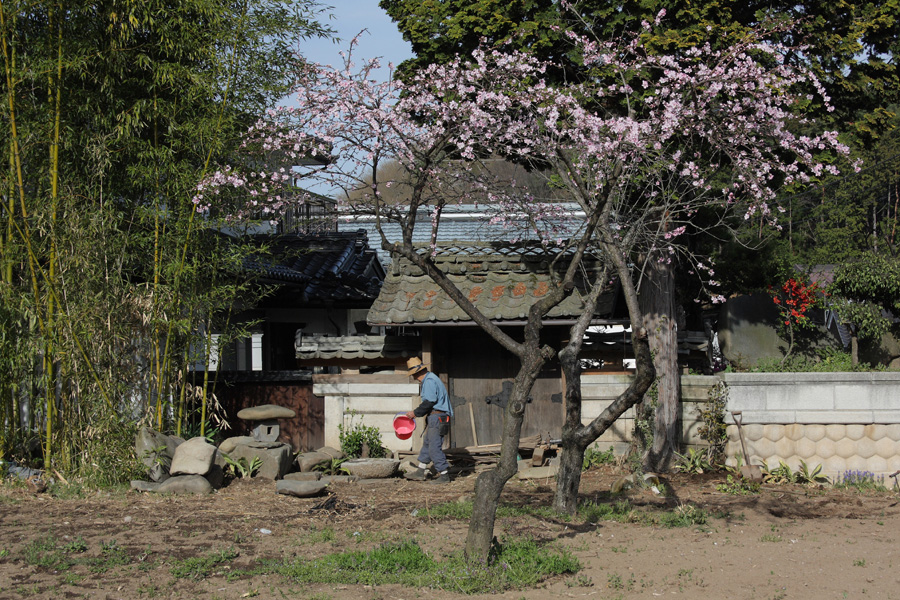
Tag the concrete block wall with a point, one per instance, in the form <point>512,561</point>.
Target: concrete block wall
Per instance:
<point>375,404</point>
<point>842,421</point>
<point>599,390</point>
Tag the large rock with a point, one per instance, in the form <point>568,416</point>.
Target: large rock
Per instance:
<point>145,486</point>
<point>194,457</point>
<point>371,468</point>
<point>276,458</point>
<point>231,443</point>
<point>332,452</point>
<point>156,451</point>
<point>265,413</point>
<point>185,484</point>
<point>300,489</point>
<point>310,460</point>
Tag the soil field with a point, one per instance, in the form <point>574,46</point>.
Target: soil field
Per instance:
<point>787,542</point>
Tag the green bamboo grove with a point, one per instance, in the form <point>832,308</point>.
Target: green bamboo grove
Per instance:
<point>112,112</point>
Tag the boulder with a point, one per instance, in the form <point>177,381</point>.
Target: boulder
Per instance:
<point>194,457</point>
<point>276,458</point>
<point>332,452</point>
<point>145,486</point>
<point>156,451</point>
<point>185,484</point>
<point>229,445</point>
<point>300,489</point>
<point>265,413</point>
<point>371,468</point>
<point>310,460</point>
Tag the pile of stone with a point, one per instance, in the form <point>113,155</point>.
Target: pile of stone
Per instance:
<point>176,466</point>
<point>195,466</point>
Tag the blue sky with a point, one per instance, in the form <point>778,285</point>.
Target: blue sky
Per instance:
<point>350,17</point>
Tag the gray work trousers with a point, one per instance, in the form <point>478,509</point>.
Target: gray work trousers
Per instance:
<point>432,445</point>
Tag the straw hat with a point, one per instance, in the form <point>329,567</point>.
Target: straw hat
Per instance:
<point>415,365</point>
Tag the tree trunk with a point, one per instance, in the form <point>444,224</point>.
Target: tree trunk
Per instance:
<point>575,437</point>
<point>658,306</point>
<point>490,483</point>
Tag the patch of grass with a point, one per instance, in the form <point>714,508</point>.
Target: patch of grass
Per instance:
<point>513,565</point>
<point>324,535</point>
<point>70,578</point>
<point>111,555</point>
<point>684,515</point>
<point>43,552</point>
<point>861,562</point>
<point>67,491</point>
<point>453,510</point>
<point>771,537</point>
<point>594,512</point>
<point>200,567</point>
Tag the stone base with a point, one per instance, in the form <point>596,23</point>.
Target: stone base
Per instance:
<point>276,458</point>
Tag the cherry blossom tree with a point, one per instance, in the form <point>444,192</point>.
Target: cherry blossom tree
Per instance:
<point>644,146</point>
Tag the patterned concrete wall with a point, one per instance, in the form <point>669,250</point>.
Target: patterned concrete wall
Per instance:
<point>842,421</point>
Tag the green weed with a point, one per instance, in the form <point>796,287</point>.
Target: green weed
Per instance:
<point>200,567</point>
<point>513,565</point>
<point>594,457</point>
<point>111,555</point>
<point>738,486</point>
<point>43,552</point>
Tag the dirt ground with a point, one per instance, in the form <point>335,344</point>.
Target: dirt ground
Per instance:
<point>788,542</point>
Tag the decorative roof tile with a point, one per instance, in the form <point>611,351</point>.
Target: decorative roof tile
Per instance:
<point>350,347</point>
<point>502,281</point>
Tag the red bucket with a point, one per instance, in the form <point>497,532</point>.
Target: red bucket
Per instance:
<point>404,426</point>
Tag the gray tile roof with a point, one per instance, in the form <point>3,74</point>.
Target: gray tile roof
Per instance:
<point>324,267</point>
<point>458,222</point>
<point>503,281</point>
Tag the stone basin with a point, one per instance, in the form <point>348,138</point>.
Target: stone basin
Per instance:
<point>371,468</point>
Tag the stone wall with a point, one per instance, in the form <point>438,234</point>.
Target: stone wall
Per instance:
<point>599,390</point>
<point>842,421</point>
<point>376,400</point>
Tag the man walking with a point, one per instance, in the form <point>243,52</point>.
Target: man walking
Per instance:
<point>436,408</point>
